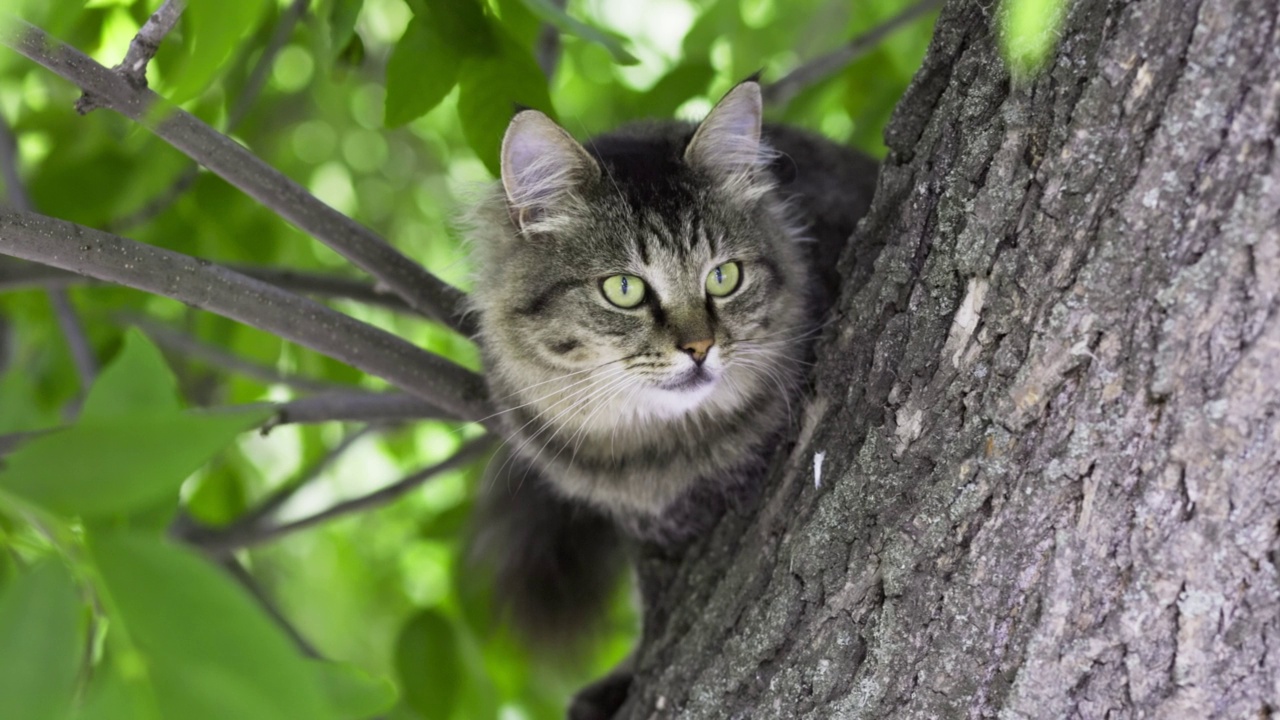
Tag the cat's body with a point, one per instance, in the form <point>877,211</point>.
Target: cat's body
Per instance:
<point>645,417</point>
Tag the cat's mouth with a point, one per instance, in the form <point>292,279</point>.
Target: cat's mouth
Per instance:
<point>692,379</point>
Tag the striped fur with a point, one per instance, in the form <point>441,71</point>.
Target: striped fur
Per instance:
<point>601,407</point>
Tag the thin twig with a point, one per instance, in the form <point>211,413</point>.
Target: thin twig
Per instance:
<point>147,41</point>
<point>198,283</point>
<point>233,163</point>
<point>82,354</point>
<point>250,583</point>
<point>6,345</point>
<point>218,542</point>
<point>215,356</point>
<point>68,321</point>
<point>824,66</point>
<point>548,44</point>
<point>239,109</point>
<point>262,69</point>
<point>19,275</point>
<point>265,509</point>
<point>11,442</point>
<point>377,407</point>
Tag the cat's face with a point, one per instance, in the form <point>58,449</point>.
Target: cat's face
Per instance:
<point>664,312</point>
<point>639,284</point>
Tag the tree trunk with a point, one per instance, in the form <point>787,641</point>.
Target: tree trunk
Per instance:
<point>1047,420</point>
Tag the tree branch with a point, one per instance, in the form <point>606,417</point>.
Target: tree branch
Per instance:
<point>68,321</point>
<point>232,162</point>
<point>82,354</point>
<point>182,343</point>
<point>547,47</point>
<point>239,109</point>
<point>356,406</point>
<point>824,66</point>
<point>251,584</point>
<point>209,287</point>
<point>258,515</point>
<point>20,275</point>
<point>217,542</point>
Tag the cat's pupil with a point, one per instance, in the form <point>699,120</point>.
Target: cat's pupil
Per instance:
<point>719,276</point>
<point>624,284</point>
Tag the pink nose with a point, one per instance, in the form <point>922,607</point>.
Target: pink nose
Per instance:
<point>698,349</point>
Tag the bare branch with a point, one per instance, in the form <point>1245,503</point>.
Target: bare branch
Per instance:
<point>824,66</point>
<point>218,542</point>
<point>68,321</point>
<point>251,584</point>
<point>356,407</point>
<point>547,48</point>
<point>10,442</point>
<point>6,345</point>
<point>265,509</point>
<point>82,354</point>
<point>180,342</point>
<point>209,287</point>
<point>19,275</point>
<point>232,162</point>
<point>239,109</point>
<point>15,190</point>
<point>262,69</point>
<point>147,41</point>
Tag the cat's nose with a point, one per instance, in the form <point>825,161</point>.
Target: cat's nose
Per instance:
<point>698,349</point>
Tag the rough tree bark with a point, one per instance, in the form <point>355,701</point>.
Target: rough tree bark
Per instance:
<point>1049,414</point>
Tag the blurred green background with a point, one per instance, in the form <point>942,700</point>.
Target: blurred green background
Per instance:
<point>390,111</point>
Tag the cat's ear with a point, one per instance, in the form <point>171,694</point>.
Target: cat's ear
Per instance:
<point>727,144</point>
<point>541,164</point>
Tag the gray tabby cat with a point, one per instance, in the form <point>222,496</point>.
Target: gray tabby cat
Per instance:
<point>646,304</point>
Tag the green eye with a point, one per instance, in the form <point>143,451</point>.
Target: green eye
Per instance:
<point>724,279</point>
<point>625,291</point>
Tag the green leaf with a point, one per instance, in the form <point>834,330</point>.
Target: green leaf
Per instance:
<point>40,637</point>
<point>20,409</point>
<point>447,525</point>
<point>219,496</point>
<point>490,90</point>
<point>111,697</point>
<point>421,71</point>
<point>460,22</point>
<point>352,692</point>
<point>683,82</point>
<point>1029,33</point>
<point>519,21</point>
<point>207,650</point>
<point>341,16</point>
<point>615,44</point>
<point>105,467</point>
<point>137,381</point>
<point>215,28</point>
<point>428,663</point>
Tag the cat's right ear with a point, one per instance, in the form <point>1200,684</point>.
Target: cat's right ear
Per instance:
<point>541,164</point>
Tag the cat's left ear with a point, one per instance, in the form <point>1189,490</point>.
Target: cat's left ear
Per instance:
<point>727,144</point>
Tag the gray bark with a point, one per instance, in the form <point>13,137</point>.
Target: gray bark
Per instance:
<point>1050,413</point>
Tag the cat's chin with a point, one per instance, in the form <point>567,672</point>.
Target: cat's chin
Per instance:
<point>680,396</point>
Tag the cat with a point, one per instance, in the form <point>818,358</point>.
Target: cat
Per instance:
<point>646,303</point>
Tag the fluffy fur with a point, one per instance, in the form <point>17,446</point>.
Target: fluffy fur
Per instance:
<point>610,423</point>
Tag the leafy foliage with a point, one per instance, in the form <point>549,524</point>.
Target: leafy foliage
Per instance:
<point>390,111</point>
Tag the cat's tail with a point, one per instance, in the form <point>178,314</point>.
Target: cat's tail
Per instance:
<point>553,565</point>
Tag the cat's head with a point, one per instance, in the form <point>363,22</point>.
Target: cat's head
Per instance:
<point>649,275</point>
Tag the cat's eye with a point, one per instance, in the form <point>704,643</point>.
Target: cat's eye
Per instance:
<point>625,291</point>
<point>724,279</point>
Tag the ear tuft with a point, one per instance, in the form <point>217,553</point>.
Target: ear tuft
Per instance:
<point>727,144</point>
<point>541,164</point>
